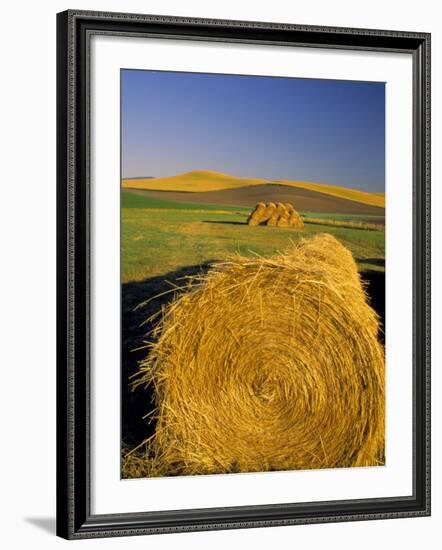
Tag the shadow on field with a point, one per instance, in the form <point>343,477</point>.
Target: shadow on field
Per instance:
<point>225,222</point>
<point>375,285</point>
<point>374,261</point>
<point>136,404</point>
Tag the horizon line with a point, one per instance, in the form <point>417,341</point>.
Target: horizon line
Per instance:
<point>267,180</point>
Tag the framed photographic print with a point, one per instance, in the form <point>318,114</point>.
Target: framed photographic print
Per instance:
<point>243,274</point>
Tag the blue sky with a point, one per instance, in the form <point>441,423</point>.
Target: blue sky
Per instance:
<point>326,131</point>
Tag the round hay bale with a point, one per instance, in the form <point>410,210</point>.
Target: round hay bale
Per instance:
<point>295,221</point>
<point>257,214</point>
<point>268,212</point>
<point>274,217</point>
<point>269,364</point>
<point>289,207</point>
<point>250,216</point>
<point>283,219</point>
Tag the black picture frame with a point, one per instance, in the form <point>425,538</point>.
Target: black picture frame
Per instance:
<point>74,518</point>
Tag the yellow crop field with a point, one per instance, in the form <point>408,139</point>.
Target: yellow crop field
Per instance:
<point>373,199</point>
<point>195,181</point>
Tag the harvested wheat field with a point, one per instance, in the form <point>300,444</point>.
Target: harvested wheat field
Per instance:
<point>266,364</point>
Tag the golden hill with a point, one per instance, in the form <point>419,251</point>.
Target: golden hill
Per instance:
<point>207,180</point>
<point>364,197</point>
<point>196,181</point>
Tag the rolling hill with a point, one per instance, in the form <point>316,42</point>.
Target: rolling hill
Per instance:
<point>356,195</point>
<point>305,200</point>
<point>206,181</point>
<point>196,181</point>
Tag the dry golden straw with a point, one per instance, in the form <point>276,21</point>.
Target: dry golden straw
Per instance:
<point>295,220</point>
<point>257,214</point>
<point>268,212</point>
<point>276,215</point>
<point>267,364</point>
<point>289,207</point>
<point>273,220</point>
<point>284,216</point>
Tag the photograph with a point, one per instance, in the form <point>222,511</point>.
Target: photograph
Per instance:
<point>243,273</point>
<point>253,215</point>
<point>231,246</point>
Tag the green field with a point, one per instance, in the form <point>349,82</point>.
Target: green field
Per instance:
<point>132,200</point>
<point>160,237</point>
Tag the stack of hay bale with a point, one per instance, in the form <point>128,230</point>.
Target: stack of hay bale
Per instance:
<point>276,215</point>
